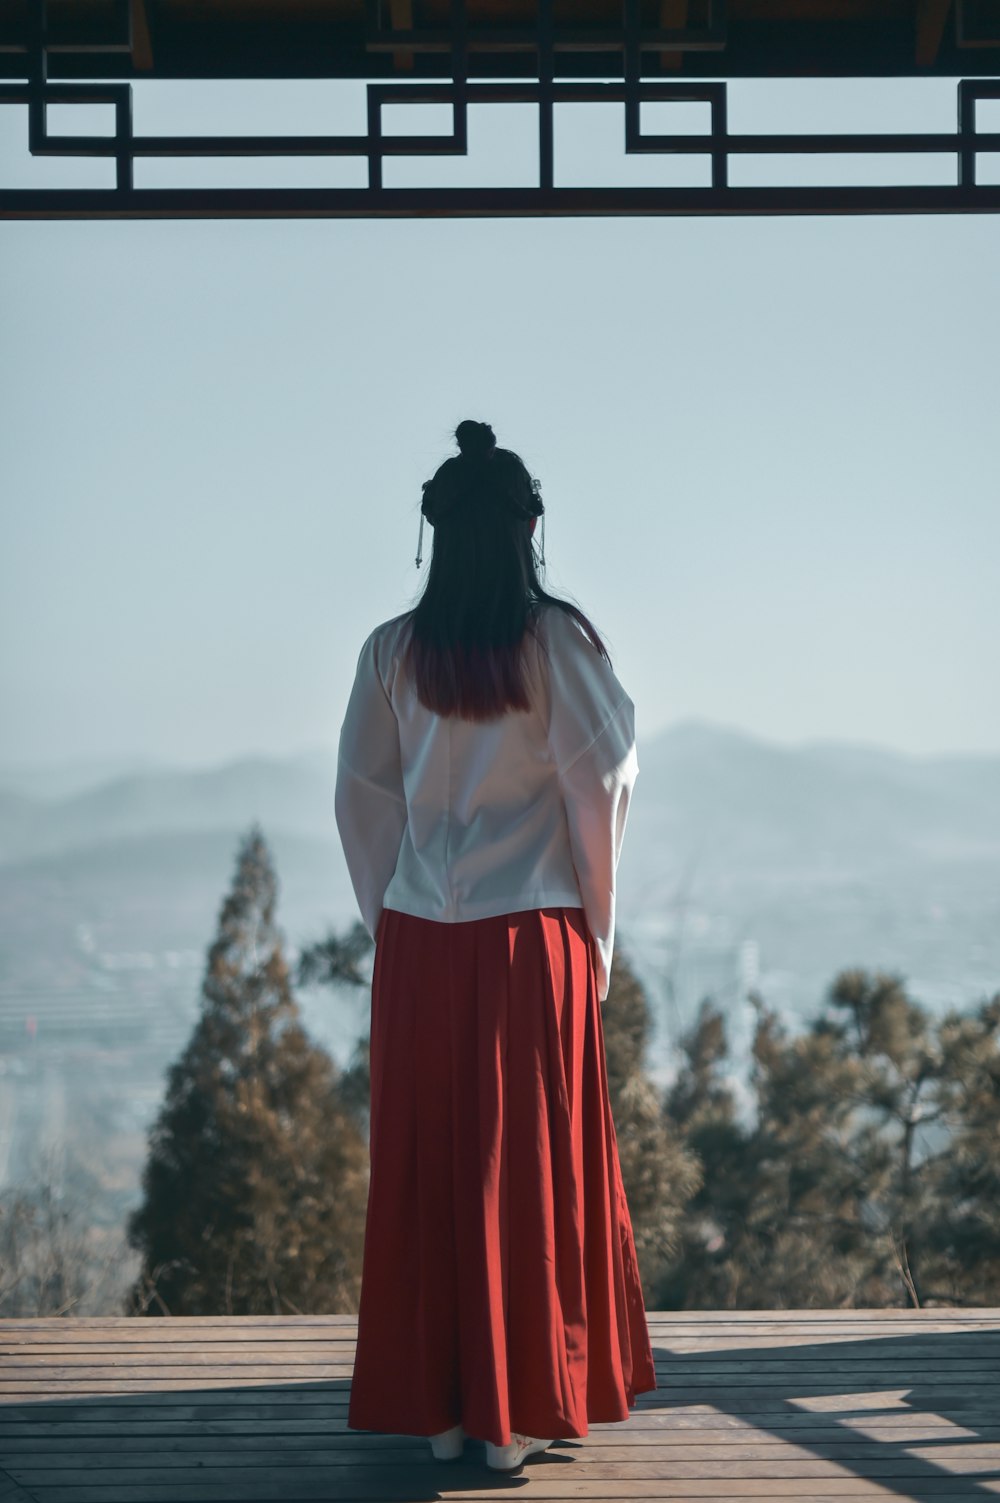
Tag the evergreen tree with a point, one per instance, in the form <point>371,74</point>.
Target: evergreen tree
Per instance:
<point>896,1055</point>
<point>804,1240</point>
<point>701,1109</point>
<point>960,1247</point>
<point>871,1176</point>
<point>797,1210</point>
<point>658,1172</point>
<point>256,1182</point>
<point>335,962</point>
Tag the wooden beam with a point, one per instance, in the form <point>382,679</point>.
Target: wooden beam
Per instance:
<point>401,19</point>
<point>931,16</point>
<point>673,13</point>
<point>142,47</point>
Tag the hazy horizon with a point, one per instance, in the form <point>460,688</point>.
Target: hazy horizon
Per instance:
<point>112,765</point>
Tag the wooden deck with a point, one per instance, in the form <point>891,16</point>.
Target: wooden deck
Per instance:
<point>801,1404</point>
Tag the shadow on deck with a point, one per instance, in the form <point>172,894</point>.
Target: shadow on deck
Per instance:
<point>791,1404</point>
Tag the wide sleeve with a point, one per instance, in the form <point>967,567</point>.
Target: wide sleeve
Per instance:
<point>370,803</point>
<point>592,738</point>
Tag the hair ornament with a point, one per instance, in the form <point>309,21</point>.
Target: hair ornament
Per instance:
<point>420,534</point>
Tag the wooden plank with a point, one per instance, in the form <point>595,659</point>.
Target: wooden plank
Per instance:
<point>443,1483</point>
<point>835,1317</point>
<point>955,1393</point>
<point>667,1448</point>
<point>878,1363</point>
<point>576,1467</point>
<point>226,1401</point>
<point>961,1376</point>
<point>724,1430</point>
<point>11,1491</point>
<point>922,1480</point>
<point>711,1320</point>
<point>697,1319</point>
<point>62,1333</point>
<point>923,1339</point>
<point>682,1462</point>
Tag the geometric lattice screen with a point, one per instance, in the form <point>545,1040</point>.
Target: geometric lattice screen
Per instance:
<point>529,64</point>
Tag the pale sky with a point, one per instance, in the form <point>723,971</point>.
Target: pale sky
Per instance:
<point>767,447</point>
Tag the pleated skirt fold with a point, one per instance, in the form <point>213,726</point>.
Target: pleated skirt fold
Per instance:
<point>500,1287</point>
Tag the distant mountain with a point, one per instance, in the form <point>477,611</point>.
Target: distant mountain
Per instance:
<point>740,804</point>
<point>749,804</point>
<point>62,779</point>
<point>293,795</point>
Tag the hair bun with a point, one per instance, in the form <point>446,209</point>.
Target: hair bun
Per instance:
<point>475,440</point>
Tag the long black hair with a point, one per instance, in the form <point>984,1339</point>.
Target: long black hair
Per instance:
<point>483,592</point>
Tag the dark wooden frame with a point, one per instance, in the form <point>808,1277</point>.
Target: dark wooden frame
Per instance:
<point>459,46</point>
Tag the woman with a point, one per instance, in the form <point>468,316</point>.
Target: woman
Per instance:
<point>486,762</point>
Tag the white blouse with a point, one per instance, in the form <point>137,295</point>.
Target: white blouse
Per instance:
<point>453,820</point>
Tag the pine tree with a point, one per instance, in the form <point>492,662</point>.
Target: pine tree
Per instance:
<point>701,1108</point>
<point>256,1181</point>
<point>960,1247</point>
<point>871,1176</point>
<point>344,961</point>
<point>659,1174</point>
<point>805,1240</point>
<point>892,1041</point>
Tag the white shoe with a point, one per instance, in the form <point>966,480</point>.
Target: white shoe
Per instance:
<point>449,1444</point>
<point>508,1458</point>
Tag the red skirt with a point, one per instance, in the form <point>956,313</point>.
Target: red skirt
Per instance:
<point>500,1288</point>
